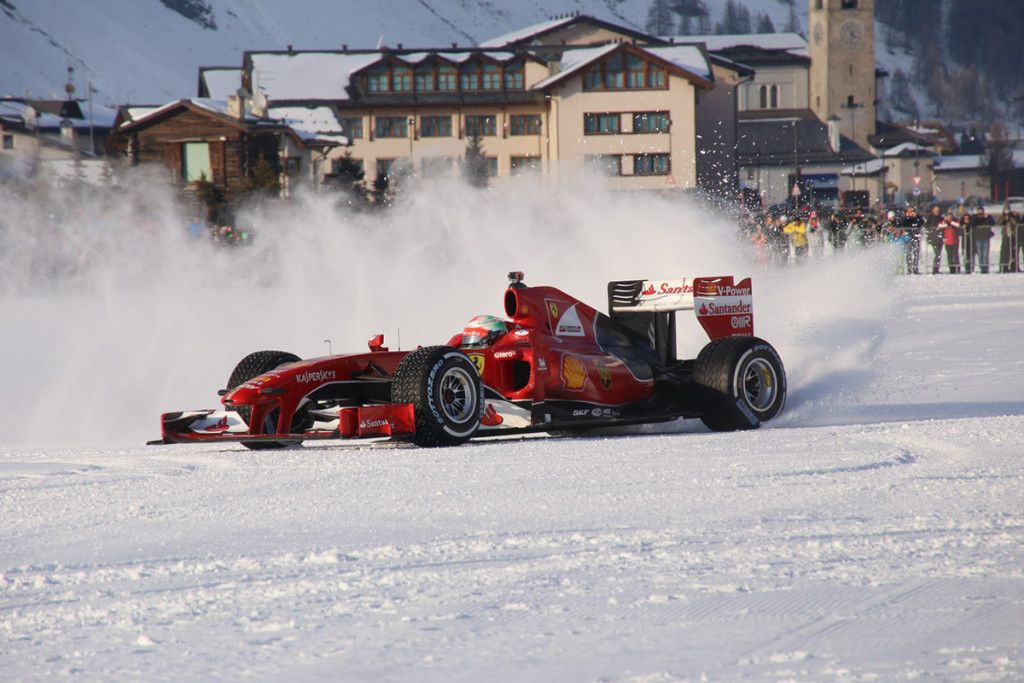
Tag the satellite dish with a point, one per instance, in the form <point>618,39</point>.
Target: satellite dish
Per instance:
<point>259,102</point>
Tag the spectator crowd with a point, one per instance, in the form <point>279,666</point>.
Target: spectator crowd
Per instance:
<point>955,239</point>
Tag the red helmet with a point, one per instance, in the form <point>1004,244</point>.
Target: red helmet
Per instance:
<point>483,330</point>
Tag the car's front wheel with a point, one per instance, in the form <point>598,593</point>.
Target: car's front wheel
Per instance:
<point>446,392</point>
<point>254,365</point>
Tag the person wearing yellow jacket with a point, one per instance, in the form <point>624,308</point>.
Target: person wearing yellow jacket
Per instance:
<point>797,231</point>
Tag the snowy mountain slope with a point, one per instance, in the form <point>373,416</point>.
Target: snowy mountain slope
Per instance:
<point>142,51</point>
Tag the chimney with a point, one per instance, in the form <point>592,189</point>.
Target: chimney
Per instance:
<point>833,133</point>
<point>238,103</point>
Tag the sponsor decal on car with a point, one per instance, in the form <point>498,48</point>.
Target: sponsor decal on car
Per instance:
<point>734,306</point>
<point>657,288</point>
<point>220,426</point>
<point>315,376</point>
<point>522,333</point>
<point>603,374</point>
<point>500,355</point>
<point>479,361</point>
<point>371,424</point>
<point>570,324</point>
<point>552,309</point>
<point>574,373</point>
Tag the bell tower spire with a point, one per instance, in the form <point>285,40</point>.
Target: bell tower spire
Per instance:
<point>841,37</point>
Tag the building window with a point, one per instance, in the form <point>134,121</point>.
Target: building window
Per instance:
<point>514,76</point>
<point>818,4</point>
<point>763,97</point>
<point>378,80</point>
<point>633,73</point>
<point>605,164</point>
<point>525,124</point>
<point>774,93</point>
<point>384,167</point>
<point>425,76</point>
<point>525,165</point>
<point>401,80</point>
<point>8,141</point>
<point>491,77</point>
<point>650,122</point>
<point>486,124</point>
<point>601,124</point>
<point>436,126</point>
<point>195,158</point>
<point>391,127</point>
<point>435,167</point>
<point>650,164</point>
<point>446,78</point>
<point>469,77</point>
<point>849,4</point>
<point>352,128</point>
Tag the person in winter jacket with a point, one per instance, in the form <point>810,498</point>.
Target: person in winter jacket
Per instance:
<point>797,231</point>
<point>1010,226</point>
<point>982,235</point>
<point>951,240</point>
<point>967,241</point>
<point>911,226</point>
<point>934,236</point>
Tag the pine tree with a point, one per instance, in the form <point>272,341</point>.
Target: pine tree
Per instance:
<point>793,22</point>
<point>475,164</point>
<point>347,177</point>
<point>262,180</point>
<point>765,25</point>
<point>660,20</point>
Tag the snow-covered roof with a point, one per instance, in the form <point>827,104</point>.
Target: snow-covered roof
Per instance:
<point>870,167</point>
<point>789,42</point>
<point>516,36</point>
<point>102,116</point>
<point>307,119</point>
<point>326,75</point>
<point>215,106</point>
<point>907,148</point>
<point>959,162</point>
<point>222,82</point>
<point>574,60</point>
<point>687,57</point>
<point>307,75</point>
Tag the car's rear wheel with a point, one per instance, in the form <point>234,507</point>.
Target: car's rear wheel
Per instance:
<point>744,381</point>
<point>446,392</point>
<point>254,365</point>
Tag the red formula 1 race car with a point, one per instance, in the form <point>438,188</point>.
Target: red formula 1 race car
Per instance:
<point>555,365</point>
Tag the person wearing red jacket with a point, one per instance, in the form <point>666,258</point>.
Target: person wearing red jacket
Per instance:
<point>951,239</point>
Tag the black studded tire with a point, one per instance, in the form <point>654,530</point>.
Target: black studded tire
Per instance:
<point>254,365</point>
<point>743,382</point>
<point>446,392</point>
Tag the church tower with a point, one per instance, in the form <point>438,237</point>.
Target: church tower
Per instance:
<point>842,45</point>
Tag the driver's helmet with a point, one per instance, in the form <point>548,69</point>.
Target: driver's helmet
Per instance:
<point>483,330</point>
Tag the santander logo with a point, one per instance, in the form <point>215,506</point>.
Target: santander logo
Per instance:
<point>667,287</point>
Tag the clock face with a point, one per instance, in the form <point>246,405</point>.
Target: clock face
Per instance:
<point>818,34</point>
<point>852,33</point>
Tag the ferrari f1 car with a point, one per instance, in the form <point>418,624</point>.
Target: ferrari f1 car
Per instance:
<point>554,365</point>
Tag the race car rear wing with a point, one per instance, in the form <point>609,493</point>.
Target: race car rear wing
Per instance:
<point>724,308</point>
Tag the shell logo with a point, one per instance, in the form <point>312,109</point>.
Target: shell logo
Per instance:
<point>574,373</point>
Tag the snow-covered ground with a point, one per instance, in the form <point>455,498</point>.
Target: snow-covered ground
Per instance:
<point>875,531</point>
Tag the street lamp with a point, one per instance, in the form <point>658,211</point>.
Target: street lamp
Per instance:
<point>853,107</point>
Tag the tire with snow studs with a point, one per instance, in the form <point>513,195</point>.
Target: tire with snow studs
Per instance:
<point>446,392</point>
<point>744,382</point>
<point>254,365</point>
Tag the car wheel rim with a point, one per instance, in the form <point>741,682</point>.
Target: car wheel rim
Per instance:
<point>458,395</point>
<point>760,385</point>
